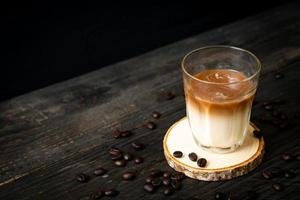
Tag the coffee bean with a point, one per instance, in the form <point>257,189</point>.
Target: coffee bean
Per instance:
<point>169,96</point>
<point>275,171</point>
<point>156,115</point>
<point>166,174</point>
<point>277,186</point>
<point>114,151</point>
<point>275,113</point>
<point>298,156</point>
<point>151,125</point>
<point>82,178</point>
<point>278,101</point>
<point>265,103</point>
<point>283,117</point>
<point>116,157</point>
<point>149,188</point>
<point>138,160</point>
<point>278,75</point>
<point>166,181</point>
<point>193,157</point>
<point>289,174</point>
<point>126,133</point>
<point>128,176</point>
<point>96,195</point>
<point>127,156</point>
<point>149,179</point>
<point>219,195</point>
<point>111,192</point>
<point>177,176</point>
<point>250,195</point>
<point>99,171</point>
<point>137,145</point>
<point>175,184</point>
<point>177,154</point>
<point>297,115</point>
<point>201,162</point>
<point>276,122</point>
<point>116,134</point>
<point>120,163</point>
<point>287,156</point>
<point>257,134</point>
<point>232,196</point>
<point>283,125</point>
<point>168,191</point>
<point>267,174</point>
<point>268,107</point>
<point>155,173</point>
<point>156,182</point>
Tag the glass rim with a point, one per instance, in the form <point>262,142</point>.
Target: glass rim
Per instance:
<point>258,64</point>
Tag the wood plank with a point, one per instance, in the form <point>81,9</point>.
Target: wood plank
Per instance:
<point>51,134</point>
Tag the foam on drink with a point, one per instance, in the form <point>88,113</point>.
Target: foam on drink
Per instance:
<point>218,107</point>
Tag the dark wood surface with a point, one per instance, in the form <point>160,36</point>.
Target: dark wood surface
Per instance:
<point>51,134</point>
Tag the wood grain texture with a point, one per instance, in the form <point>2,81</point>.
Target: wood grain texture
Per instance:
<point>51,134</point>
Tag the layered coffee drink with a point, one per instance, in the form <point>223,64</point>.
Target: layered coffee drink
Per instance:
<point>218,104</point>
<point>219,84</point>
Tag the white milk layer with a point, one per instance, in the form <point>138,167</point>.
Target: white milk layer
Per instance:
<point>218,131</point>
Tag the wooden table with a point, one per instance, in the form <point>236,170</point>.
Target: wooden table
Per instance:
<point>51,134</point>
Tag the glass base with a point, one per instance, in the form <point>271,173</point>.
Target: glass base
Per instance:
<point>220,150</point>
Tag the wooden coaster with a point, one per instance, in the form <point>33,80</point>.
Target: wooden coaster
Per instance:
<point>219,166</point>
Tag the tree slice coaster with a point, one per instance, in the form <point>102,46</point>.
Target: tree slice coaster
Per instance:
<point>219,166</point>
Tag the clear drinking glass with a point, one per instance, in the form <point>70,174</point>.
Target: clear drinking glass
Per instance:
<point>219,84</point>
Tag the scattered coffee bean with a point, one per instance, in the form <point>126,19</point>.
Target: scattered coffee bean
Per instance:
<point>277,186</point>
<point>278,101</point>
<point>156,182</point>
<point>193,157</point>
<point>257,134</point>
<point>175,184</point>
<point>298,156</point>
<point>268,107</point>
<point>275,171</point>
<point>201,162</point>
<point>250,195</point>
<point>99,171</point>
<point>166,174</point>
<point>168,191</point>
<point>287,156</point>
<point>276,122</point>
<point>138,160</point>
<point>127,156</point>
<point>128,176</point>
<point>137,145</point>
<point>170,96</point>
<point>156,115</point>
<point>278,75</point>
<point>219,195</point>
<point>116,157</point>
<point>126,133</point>
<point>177,176</point>
<point>283,117</point>
<point>114,151</point>
<point>275,113</point>
<point>111,192</point>
<point>120,163</point>
<point>82,178</point>
<point>267,174</point>
<point>297,115</point>
<point>166,181</point>
<point>116,134</point>
<point>289,174</point>
<point>96,195</point>
<point>283,125</point>
<point>151,125</point>
<point>265,103</point>
<point>155,173</point>
<point>232,196</point>
<point>177,154</point>
<point>149,179</point>
<point>149,188</point>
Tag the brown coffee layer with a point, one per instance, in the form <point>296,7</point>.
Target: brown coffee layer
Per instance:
<point>219,91</point>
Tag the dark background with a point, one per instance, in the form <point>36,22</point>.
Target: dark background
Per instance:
<point>42,44</point>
